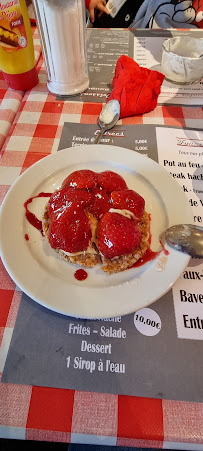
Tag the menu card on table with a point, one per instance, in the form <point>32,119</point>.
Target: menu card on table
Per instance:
<point>154,352</point>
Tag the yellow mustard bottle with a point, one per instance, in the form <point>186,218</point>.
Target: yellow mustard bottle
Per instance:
<point>17,60</point>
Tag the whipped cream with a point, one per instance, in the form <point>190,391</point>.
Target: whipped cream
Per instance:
<point>126,213</point>
<point>89,250</point>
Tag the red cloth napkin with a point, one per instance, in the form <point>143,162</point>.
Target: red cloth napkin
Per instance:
<point>136,88</point>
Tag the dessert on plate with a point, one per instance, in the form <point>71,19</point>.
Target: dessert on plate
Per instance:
<point>95,218</point>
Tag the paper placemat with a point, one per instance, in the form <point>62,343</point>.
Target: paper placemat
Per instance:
<point>148,53</point>
<point>142,139</point>
<point>154,352</point>
<point>113,356</point>
<point>104,47</point>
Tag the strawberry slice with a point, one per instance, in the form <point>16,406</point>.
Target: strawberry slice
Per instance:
<point>81,179</point>
<point>64,197</point>
<point>110,181</point>
<point>117,235</point>
<point>70,231</point>
<point>128,199</point>
<point>100,203</point>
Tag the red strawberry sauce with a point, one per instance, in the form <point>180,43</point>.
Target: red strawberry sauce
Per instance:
<point>147,257</point>
<point>32,219</point>
<point>80,274</point>
<point>149,254</point>
<point>164,249</point>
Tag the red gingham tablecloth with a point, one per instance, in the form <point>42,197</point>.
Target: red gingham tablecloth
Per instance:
<point>49,414</point>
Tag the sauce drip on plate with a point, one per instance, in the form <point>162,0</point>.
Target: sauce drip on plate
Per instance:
<point>80,274</point>
<point>147,257</point>
<point>32,219</point>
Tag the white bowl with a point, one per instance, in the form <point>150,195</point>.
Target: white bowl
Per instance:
<point>182,59</point>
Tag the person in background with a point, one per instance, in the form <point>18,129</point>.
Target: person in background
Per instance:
<point>114,14</point>
<point>96,7</point>
<point>146,13</point>
<point>142,13</point>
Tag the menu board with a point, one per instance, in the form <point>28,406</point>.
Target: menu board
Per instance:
<point>148,353</point>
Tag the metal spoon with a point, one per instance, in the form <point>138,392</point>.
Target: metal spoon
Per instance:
<point>187,238</point>
<point>108,117</point>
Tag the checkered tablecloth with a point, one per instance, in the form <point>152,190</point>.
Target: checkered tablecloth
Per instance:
<point>49,414</point>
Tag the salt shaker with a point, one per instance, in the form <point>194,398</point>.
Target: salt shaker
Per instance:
<point>62,30</point>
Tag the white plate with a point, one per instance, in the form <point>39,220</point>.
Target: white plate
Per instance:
<point>38,271</point>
